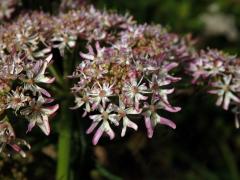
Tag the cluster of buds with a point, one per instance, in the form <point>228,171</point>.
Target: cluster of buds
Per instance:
<point>221,72</point>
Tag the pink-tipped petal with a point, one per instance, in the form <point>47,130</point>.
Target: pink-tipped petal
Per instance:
<point>132,125</point>
<point>84,114</point>
<point>167,122</point>
<point>44,92</point>
<point>30,126</point>
<point>170,66</point>
<point>97,136</point>
<point>110,133</point>
<point>86,56</point>
<point>50,80</point>
<point>44,126</point>
<point>51,109</point>
<point>172,109</point>
<point>92,127</point>
<point>149,127</point>
<point>15,147</point>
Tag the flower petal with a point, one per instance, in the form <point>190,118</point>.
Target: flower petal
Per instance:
<point>167,122</point>
<point>149,126</point>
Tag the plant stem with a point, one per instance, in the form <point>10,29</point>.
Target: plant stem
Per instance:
<point>230,161</point>
<point>64,144</point>
<point>54,72</point>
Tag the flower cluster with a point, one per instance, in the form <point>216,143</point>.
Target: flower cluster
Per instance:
<point>221,71</point>
<point>24,58</point>
<point>21,92</point>
<point>125,70</point>
<point>128,79</point>
<point>26,53</point>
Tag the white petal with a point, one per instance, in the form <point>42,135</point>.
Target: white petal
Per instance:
<point>97,117</point>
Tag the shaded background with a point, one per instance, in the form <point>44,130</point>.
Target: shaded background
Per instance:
<point>205,144</point>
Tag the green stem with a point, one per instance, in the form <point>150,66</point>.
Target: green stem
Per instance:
<point>230,161</point>
<point>54,72</point>
<point>64,144</point>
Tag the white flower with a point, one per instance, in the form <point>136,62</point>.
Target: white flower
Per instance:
<point>215,67</point>
<point>38,115</point>
<point>225,92</point>
<point>63,40</point>
<point>198,69</point>
<point>100,94</point>
<point>16,100</point>
<point>80,101</point>
<point>105,117</point>
<point>122,114</point>
<point>134,91</point>
<point>91,55</point>
<point>37,75</point>
<point>152,118</point>
<point>7,137</point>
<point>162,77</point>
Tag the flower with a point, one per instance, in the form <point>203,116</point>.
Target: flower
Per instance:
<point>16,100</point>
<point>7,137</point>
<point>80,101</point>
<point>38,114</point>
<point>100,94</point>
<point>62,40</point>
<point>152,118</point>
<point>91,55</point>
<point>162,77</point>
<point>198,69</point>
<point>123,113</point>
<point>11,66</point>
<point>134,91</point>
<point>225,91</point>
<point>37,75</point>
<point>114,75</point>
<point>105,117</point>
<point>207,64</point>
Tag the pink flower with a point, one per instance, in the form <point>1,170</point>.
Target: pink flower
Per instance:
<point>134,91</point>
<point>91,55</point>
<point>123,113</point>
<point>152,118</point>
<point>7,137</point>
<point>197,69</point>
<point>225,91</point>
<point>80,101</point>
<point>100,94</point>
<point>38,114</point>
<point>63,40</point>
<point>37,75</point>
<point>104,117</point>
<point>16,100</point>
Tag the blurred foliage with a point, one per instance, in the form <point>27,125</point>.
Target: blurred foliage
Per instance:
<point>205,144</point>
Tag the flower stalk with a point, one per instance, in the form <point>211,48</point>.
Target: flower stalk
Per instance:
<point>64,142</point>
<point>65,129</point>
